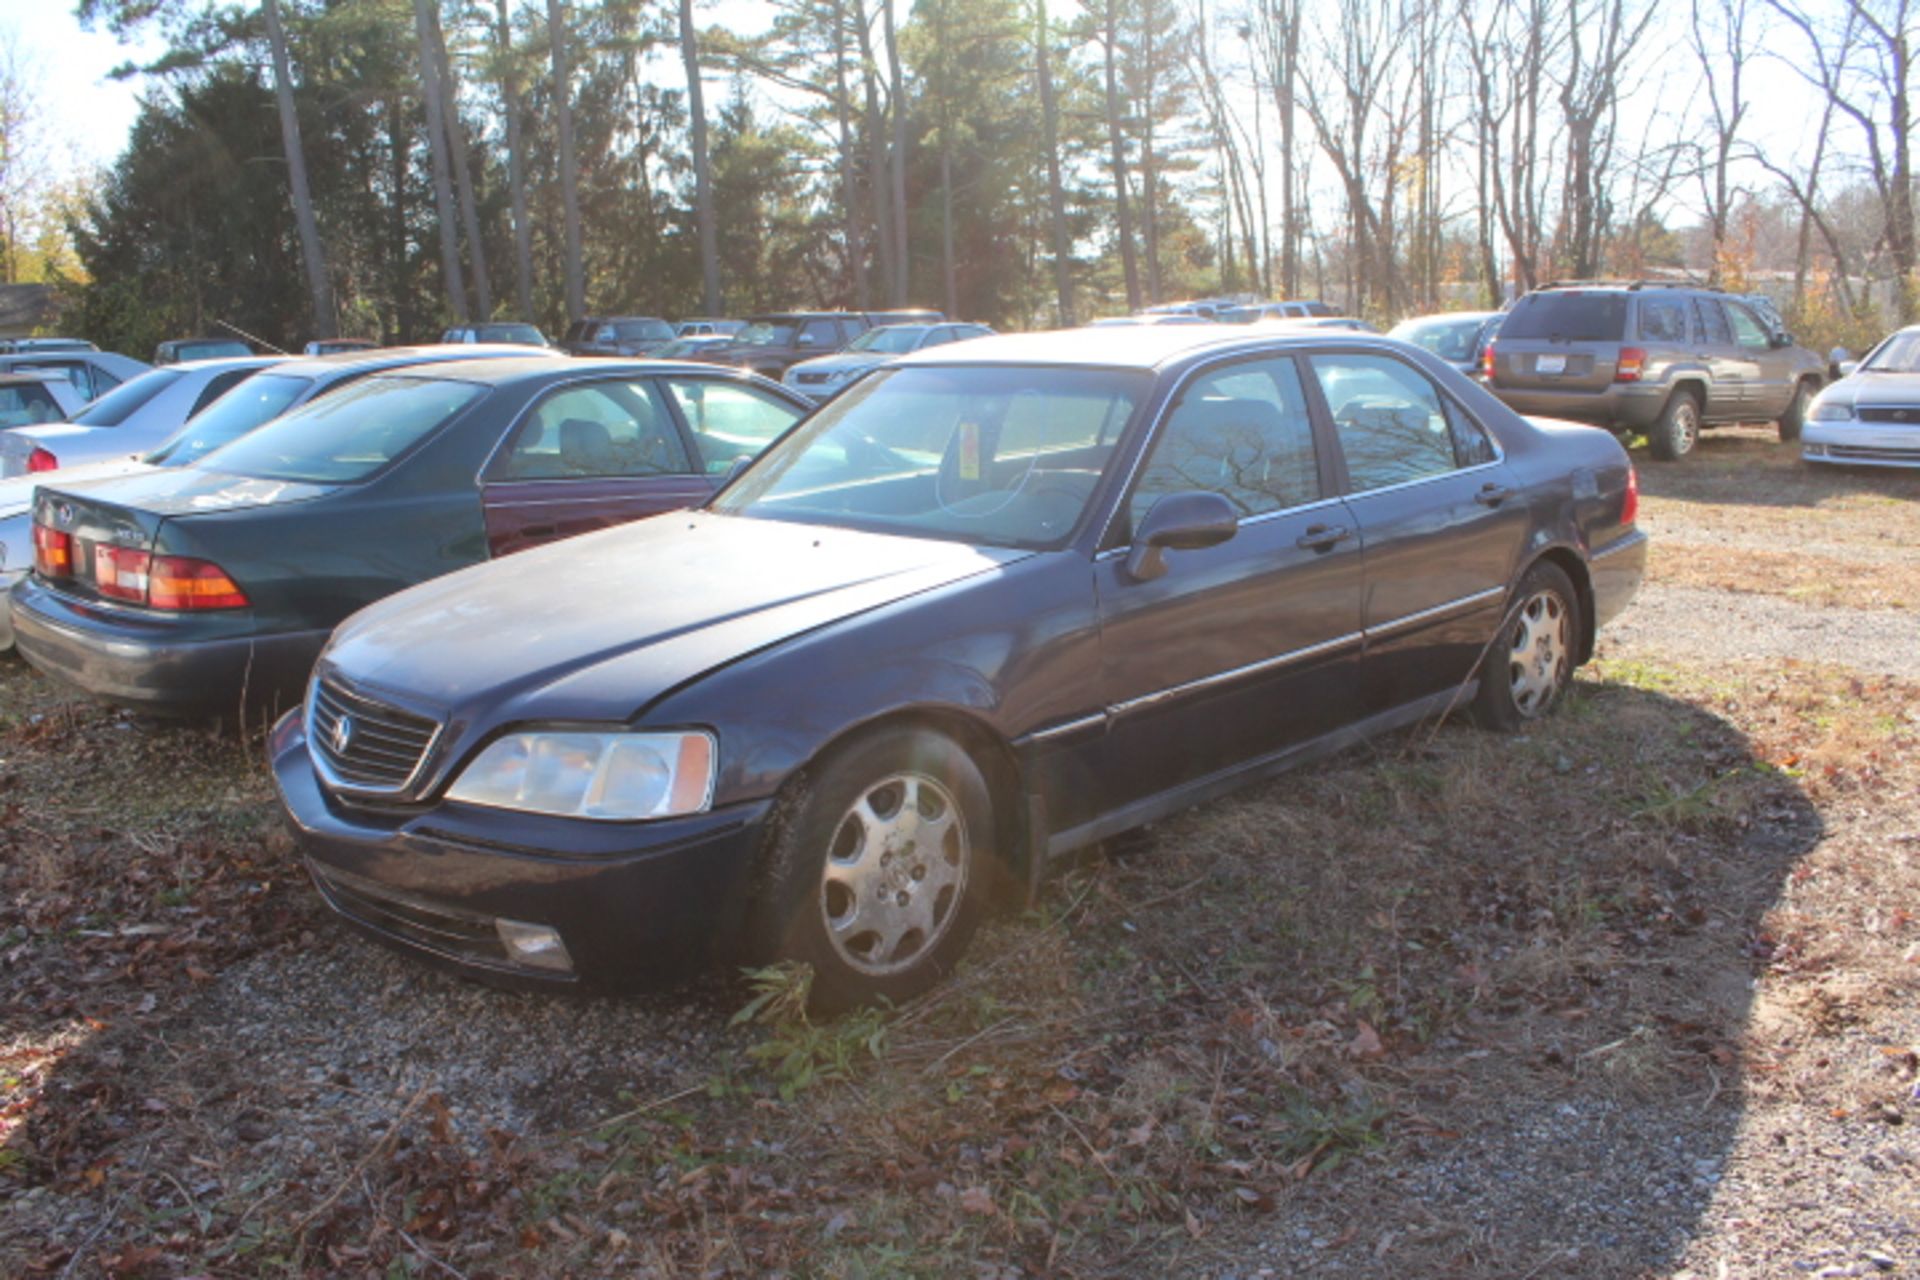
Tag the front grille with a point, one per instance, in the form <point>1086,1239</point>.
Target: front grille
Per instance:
<point>365,743</point>
<point>448,930</point>
<point>1862,453</point>
<point>1903,415</point>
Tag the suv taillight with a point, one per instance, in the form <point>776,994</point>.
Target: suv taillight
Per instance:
<point>1632,361</point>
<point>1486,362</point>
<point>52,552</point>
<point>1630,505</point>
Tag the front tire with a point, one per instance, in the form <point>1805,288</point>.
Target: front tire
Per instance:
<point>1677,430</point>
<point>1796,415</point>
<point>881,875</point>
<point>1530,663</point>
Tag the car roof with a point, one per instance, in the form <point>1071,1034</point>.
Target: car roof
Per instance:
<point>221,364</point>
<point>502,369</point>
<point>390,357</point>
<point>1133,346</point>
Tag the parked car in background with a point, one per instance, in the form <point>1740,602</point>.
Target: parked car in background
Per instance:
<point>210,587</point>
<point>28,400</point>
<point>692,347</point>
<point>497,332</point>
<point>1667,360</point>
<point>1871,417</point>
<point>1458,337</point>
<point>702,327</point>
<point>1349,323</point>
<point>1247,313</point>
<point>773,341</point>
<point>1147,318</point>
<point>1201,309</point>
<point>334,346</point>
<point>994,604</point>
<point>27,346</point>
<point>912,315</point>
<point>177,350</point>
<point>91,373</point>
<point>827,376</point>
<point>617,336</point>
<point>132,418</point>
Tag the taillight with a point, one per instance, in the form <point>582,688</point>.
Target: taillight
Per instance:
<point>1486,362</point>
<point>1630,505</point>
<point>1632,361</point>
<point>177,582</point>
<point>42,460</point>
<point>52,552</point>
<point>120,573</point>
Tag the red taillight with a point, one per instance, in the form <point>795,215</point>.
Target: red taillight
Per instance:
<point>120,573</point>
<point>176,582</point>
<point>52,552</point>
<point>1632,361</point>
<point>42,460</point>
<point>1630,505</point>
<point>1486,362</point>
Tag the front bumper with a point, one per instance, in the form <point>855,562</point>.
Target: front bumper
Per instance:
<point>634,903</point>
<point>154,662</point>
<point>1860,444</point>
<point>1629,405</point>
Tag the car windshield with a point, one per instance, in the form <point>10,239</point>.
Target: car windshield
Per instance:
<point>115,407</point>
<point>991,456</point>
<point>643,330</point>
<point>1568,316</point>
<point>524,333</point>
<point>260,398</point>
<point>1898,354</point>
<point>895,340</point>
<point>349,435</point>
<point>1449,339</point>
<point>764,333</point>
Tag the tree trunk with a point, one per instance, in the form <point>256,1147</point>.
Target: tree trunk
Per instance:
<point>1056,197</point>
<point>702,170</point>
<point>569,163</point>
<point>452,279</point>
<point>1123,209</point>
<point>842,110</point>
<point>1149,184</point>
<point>312,258</point>
<point>902,264</point>
<point>877,185</point>
<point>462,171</point>
<point>516,168</point>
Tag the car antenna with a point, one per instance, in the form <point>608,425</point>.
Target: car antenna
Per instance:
<point>258,342</point>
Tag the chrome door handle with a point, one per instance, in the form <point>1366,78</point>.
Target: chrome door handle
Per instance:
<point>1323,537</point>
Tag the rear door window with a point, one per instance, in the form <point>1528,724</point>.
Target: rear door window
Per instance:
<point>602,430</point>
<point>1393,425</point>
<point>1568,316</point>
<point>1713,322</point>
<point>1663,320</point>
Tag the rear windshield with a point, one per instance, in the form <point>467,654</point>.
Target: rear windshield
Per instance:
<point>349,435</point>
<point>1569,316</point>
<point>25,404</point>
<point>524,333</point>
<point>259,399</point>
<point>1450,339</point>
<point>117,406</point>
<point>763,333</point>
<point>643,330</point>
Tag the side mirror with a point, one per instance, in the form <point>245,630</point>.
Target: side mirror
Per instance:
<point>1848,368</point>
<point>1780,340</point>
<point>1179,522</point>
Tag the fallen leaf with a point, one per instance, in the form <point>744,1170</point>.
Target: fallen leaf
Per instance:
<point>977,1200</point>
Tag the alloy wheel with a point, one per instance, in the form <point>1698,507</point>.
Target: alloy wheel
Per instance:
<point>1538,652</point>
<point>895,874</point>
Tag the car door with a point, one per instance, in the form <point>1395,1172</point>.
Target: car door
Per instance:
<point>1724,360</point>
<point>728,420</point>
<point>583,457</point>
<point>1244,648</point>
<point>1441,518</point>
<point>1771,384</point>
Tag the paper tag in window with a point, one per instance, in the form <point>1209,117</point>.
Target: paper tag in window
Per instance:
<point>969,451</point>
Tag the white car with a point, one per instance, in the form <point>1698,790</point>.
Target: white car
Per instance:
<point>132,418</point>
<point>1871,417</point>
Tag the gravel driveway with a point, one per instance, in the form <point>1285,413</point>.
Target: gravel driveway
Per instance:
<point>1692,624</point>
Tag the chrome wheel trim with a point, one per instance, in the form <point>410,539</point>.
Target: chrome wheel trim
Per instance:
<point>1686,416</point>
<point>895,874</point>
<point>1538,652</point>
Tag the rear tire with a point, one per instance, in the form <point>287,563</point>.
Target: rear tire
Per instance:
<point>1530,663</point>
<point>883,869</point>
<point>1677,430</point>
<point>1796,415</point>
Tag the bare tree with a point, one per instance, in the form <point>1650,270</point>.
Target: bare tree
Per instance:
<point>1719,35</point>
<point>897,98</point>
<point>1592,80</point>
<point>460,148</point>
<point>1050,143</point>
<point>1117,147</point>
<point>453,278</point>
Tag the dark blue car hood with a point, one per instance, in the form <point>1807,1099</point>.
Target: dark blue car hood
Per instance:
<point>597,627</point>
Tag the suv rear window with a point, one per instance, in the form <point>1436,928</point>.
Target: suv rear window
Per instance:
<point>1571,316</point>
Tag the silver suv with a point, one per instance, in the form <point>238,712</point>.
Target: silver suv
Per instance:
<point>1663,359</point>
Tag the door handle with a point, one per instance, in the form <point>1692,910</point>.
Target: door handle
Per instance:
<point>1323,537</point>
<point>1493,494</point>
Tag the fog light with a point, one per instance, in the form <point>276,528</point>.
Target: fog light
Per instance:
<point>534,945</point>
<point>1813,451</point>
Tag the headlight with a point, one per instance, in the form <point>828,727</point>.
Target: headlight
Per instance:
<point>1832,411</point>
<point>613,777</point>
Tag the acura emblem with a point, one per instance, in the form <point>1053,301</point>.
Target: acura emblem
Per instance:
<point>342,735</point>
